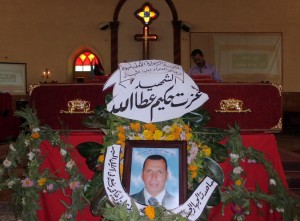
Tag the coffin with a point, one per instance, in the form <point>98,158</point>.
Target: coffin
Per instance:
<point>63,106</point>
<point>254,107</point>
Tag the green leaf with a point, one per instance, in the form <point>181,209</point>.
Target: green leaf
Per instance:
<point>89,149</point>
<point>218,152</point>
<point>99,203</point>
<point>215,198</point>
<point>215,172</point>
<point>197,118</point>
<point>94,122</point>
<point>211,135</point>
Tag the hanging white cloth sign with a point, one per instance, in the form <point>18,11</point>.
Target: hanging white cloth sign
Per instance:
<point>153,91</point>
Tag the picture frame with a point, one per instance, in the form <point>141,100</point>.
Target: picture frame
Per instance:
<point>13,78</point>
<point>174,152</point>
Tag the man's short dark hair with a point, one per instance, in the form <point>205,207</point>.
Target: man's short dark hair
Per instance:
<point>196,51</point>
<point>156,157</point>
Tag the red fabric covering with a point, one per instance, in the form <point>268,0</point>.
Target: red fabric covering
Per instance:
<point>52,208</point>
<point>266,143</point>
<point>264,101</point>
<point>49,99</point>
<point>9,124</point>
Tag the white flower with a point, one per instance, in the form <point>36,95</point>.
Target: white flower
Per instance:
<point>30,155</point>
<point>36,150</point>
<point>10,184</point>
<point>167,129</point>
<point>35,130</point>
<point>238,170</point>
<point>251,161</point>
<point>12,147</point>
<point>26,142</point>
<point>259,205</point>
<point>272,182</point>
<point>234,157</point>
<point>240,218</point>
<point>131,136</point>
<point>6,163</point>
<point>70,164</point>
<point>63,152</point>
<point>281,210</point>
<point>271,211</point>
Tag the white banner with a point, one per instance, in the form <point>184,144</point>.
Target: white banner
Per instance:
<point>153,91</point>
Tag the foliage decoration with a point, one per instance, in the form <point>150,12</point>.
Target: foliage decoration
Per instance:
<point>204,151</point>
<point>34,181</point>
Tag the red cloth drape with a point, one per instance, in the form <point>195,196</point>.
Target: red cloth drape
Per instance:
<point>266,143</point>
<point>256,174</point>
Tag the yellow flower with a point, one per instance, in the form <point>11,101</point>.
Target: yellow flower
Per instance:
<point>121,136</point>
<point>194,174</point>
<point>187,128</point>
<point>176,129</point>
<point>136,138</point>
<point>122,143</point>
<point>148,135</point>
<point>35,135</point>
<point>193,167</point>
<point>176,136</point>
<point>121,155</point>
<point>170,137</point>
<point>135,126</point>
<point>121,169</point>
<point>157,135</point>
<point>42,181</point>
<point>206,150</point>
<point>101,158</point>
<point>150,127</point>
<point>121,129</point>
<point>150,212</point>
<point>238,182</point>
<point>188,147</point>
<point>188,136</point>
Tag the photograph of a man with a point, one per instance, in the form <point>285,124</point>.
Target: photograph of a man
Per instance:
<point>155,175</point>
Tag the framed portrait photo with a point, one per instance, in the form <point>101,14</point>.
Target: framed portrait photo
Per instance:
<point>155,172</point>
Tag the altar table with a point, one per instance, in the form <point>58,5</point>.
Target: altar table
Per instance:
<point>266,143</point>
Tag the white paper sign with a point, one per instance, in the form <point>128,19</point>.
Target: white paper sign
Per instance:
<point>191,209</point>
<point>153,91</point>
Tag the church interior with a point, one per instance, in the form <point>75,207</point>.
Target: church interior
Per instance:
<point>55,49</point>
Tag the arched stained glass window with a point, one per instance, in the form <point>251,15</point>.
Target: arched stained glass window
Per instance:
<point>86,61</point>
<point>87,67</point>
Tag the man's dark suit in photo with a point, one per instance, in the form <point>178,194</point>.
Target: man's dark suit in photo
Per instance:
<point>154,176</point>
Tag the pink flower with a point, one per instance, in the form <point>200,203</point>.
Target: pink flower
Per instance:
<point>74,185</point>
<point>50,187</point>
<point>68,216</point>
<point>26,183</point>
<point>237,209</point>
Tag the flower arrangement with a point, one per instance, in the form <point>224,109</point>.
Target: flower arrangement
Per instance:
<point>203,143</point>
<point>26,187</point>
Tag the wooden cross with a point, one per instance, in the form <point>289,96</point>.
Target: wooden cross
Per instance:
<point>145,37</point>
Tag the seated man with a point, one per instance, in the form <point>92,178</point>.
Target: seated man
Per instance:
<point>155,175</point>
<point>202,67</point>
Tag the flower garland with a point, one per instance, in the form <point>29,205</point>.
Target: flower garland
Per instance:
<point>28,186</point>
<point>34,181</point>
